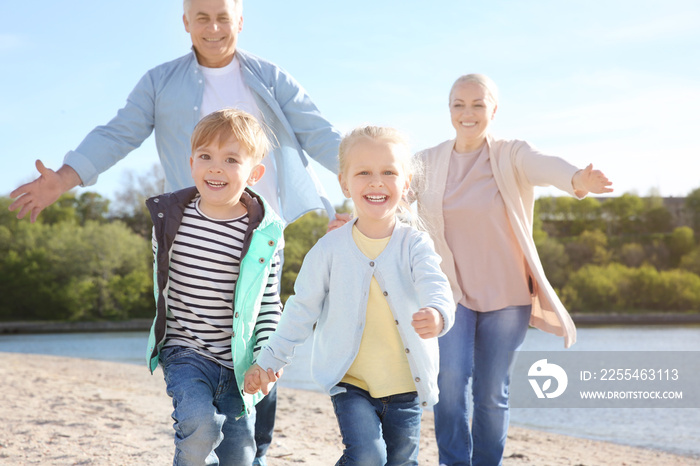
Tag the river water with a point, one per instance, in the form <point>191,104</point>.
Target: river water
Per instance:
<point>671,429</point>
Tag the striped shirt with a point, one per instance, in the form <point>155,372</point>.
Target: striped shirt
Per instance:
<point>204,267</point>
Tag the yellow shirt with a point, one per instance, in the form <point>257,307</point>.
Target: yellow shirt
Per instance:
<point>381,366</point>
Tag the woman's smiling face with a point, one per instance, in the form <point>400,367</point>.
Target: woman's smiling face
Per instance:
<point>471,111</point>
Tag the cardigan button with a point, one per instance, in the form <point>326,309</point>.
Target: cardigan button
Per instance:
<point>261,260</point>
<point>236,315</point>
<point>408,350</point>
<point>425,403</point>
<point>417,379</point>
<point>271,243</point>
<point>385,293</point>
<point>371,264</point>
<point>156,200</point>
<point>397,322</point>
<point>160,215</point>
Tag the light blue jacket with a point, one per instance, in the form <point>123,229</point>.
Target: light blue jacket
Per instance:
<point>168,99</point>
<point>332,291</point>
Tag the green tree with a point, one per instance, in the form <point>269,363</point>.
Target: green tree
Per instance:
<point>299,237</point>
<point>692,205</point>
<point>590,247</point>
<point>691,261</point>
<point>624,214</point>
<point>555,261</point>
<point>91,206</point>
<point>632,254</point>
<point>680,243</point>
<point>130,205</point>
<point>657,219</point>
<point>61,269</point>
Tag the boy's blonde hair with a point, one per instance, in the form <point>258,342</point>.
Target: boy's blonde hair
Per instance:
<point>219,126</point>
<point>411,165</point>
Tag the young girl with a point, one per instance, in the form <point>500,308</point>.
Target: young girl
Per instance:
<point>375,291</point>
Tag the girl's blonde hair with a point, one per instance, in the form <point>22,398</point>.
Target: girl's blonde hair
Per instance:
<point>411,165</point>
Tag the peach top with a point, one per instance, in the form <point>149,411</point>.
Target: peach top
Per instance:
<point>491,267</point>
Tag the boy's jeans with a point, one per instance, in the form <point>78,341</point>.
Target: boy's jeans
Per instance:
<point>378,431</point>
<point>206,402</point>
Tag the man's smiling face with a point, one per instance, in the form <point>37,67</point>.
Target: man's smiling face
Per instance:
<point>213,26</point>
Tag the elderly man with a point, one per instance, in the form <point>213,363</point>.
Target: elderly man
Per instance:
<point>172,97</point>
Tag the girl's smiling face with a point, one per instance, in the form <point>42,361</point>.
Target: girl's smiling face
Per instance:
<point>375,179</point>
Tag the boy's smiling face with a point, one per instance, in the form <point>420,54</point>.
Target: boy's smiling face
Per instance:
<point>221,170</point>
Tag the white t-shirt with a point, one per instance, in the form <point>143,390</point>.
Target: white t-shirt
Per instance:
<point>224,88</point>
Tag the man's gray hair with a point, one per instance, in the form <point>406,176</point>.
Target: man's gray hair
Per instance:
<point>186,4</point>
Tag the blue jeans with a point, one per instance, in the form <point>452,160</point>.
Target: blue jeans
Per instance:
<point>206,403</point>
<point>264,425</point>
<point>478,347</point>
<point>378,431</point>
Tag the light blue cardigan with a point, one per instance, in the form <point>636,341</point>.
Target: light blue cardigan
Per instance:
<point>168,100</point>
<point>332,290</point>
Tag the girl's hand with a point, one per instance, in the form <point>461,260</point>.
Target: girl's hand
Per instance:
<point>590,181</point>
<point>427,322</point>
<point>339,221</point>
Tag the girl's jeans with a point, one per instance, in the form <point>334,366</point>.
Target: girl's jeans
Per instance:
<point>480,347</point>
<point>378,431</point>
<point>206,403</point>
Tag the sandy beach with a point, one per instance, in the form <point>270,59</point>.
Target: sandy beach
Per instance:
<point>62,411</point>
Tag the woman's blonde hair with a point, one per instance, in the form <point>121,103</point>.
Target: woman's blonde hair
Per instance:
<point>411,165</point>
<point>480,79</point>
<point>219,126</point>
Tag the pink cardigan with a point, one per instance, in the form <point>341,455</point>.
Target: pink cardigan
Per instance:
<point>517,169</point>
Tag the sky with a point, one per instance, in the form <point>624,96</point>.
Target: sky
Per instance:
<point>615,83</point>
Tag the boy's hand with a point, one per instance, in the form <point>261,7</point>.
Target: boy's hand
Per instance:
<point>252,383</point>
<point>256,378</point>
<point>427,322</point>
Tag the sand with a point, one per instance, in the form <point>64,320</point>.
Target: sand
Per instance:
<point>63,411</point>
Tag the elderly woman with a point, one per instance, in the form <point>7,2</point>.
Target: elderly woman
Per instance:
<point>477,201</point>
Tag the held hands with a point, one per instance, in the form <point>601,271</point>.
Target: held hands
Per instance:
<point>256,378</point>
<point>427,322</point>
<point>37,195</point>
<point>339,221</point>
<point>588,180</point>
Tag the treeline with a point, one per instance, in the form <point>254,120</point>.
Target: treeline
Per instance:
<point>626,253</point>
<point>75,263</point>
<point>86,260</point>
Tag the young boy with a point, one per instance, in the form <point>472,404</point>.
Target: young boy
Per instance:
<point>216,267</point>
